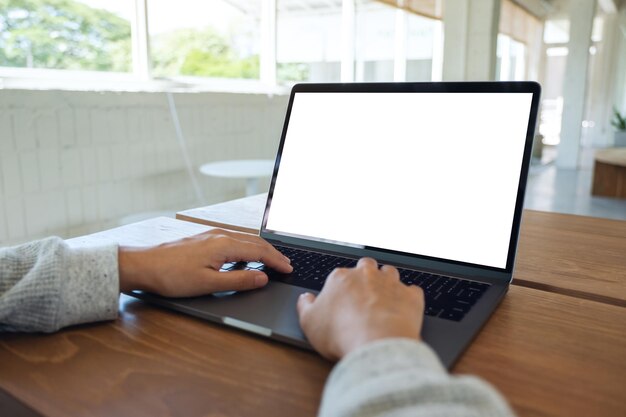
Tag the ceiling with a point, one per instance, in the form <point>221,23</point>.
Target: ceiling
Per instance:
<point>253,7</point>
<point>553,9</point>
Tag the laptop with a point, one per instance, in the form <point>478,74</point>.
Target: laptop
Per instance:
<point>428,177</point>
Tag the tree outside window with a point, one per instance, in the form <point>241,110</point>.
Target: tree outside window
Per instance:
<point>63,34</point>
<point>215,38</point>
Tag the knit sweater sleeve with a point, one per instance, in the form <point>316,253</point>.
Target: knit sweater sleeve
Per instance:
<point>403,377</point>
<point>45,285</point>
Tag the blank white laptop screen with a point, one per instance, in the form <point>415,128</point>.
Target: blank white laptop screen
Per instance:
<point>433,174</point>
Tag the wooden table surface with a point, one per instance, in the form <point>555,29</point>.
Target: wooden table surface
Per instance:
<point>244,214</point>
<point>578,256</point>
<point>549,354</point>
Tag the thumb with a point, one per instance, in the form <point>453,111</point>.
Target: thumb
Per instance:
<point>305,302</point>
<point>236,280</point>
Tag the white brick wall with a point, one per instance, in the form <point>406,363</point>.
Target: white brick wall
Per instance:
<point>77,162</point>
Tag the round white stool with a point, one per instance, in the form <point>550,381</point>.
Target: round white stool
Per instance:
<point>249,169</point>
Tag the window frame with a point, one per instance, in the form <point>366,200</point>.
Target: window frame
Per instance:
<point>140,77</point>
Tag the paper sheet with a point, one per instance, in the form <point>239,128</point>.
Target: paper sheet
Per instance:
<point>145,233</point>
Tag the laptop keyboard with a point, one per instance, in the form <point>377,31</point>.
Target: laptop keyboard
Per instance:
<point>446,297</point>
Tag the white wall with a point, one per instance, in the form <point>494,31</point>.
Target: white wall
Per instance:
<point>76,162</point>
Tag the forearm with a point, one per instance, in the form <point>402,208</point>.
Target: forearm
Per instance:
<point>402,377</point>
<point>45,285</point>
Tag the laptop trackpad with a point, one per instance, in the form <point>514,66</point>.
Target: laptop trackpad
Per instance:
<point>269,309</point>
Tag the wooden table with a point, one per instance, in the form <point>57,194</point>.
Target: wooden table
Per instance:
<point>249,169</point>
<point>578,256</point>
<point>243,215</point>
<point>550,354</point>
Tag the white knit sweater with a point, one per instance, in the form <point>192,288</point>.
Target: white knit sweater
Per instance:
<point>45,285</point>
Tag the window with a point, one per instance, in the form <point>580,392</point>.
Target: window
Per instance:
<point>271,41</point>
<point>66,34</point>
<point>307,46</point>
<point>556,31</point>
<point>511,59</point>
<point>375,41</point>
<point>519,44</point>
<point>215,39</point>
<point>556,37</point>
<point>398,43</point>
<point>424,48</point>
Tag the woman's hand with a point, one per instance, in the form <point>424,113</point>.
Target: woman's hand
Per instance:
<point>359,305</point>
<point>190,266</point>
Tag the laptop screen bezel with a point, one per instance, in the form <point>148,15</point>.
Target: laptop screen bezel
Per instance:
<point>403,258</point>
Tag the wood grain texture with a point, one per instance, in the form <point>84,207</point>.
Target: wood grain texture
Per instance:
<point>553,355</point>
<point>11,407</point>
<point>244,214</point>
<point>577,256</point>
<point>549,354</point>
<point>152,362</point>
<point>609,173</point>
<point>609,180</point>
<point>574,255</point>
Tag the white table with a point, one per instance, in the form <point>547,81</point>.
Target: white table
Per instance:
<point>249,169</point>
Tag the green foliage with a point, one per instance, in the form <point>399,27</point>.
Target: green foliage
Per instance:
<point>66,34</point>
<point>203,63</point>
<point>200,53</point>
<point>618,121</point>
<point>62,34</point>
<point>292,71</point>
